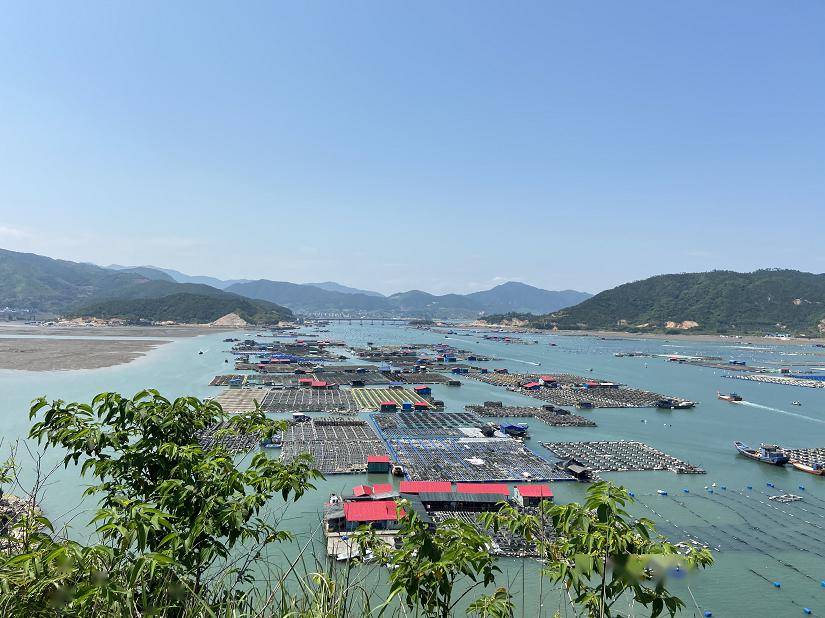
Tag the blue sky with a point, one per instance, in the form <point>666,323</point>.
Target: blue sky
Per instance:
<point>430,145</point>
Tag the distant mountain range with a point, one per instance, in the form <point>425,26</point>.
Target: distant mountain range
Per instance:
<point>331,298</point>
<point>309,299</point>
<point>42,284</point>
<point>763,301</point>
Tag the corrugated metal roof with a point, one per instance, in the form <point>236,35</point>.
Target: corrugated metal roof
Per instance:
<point>535,491</point>
<point>362,490</point>
<point>418,487</point>
<point>427,497</point>
<point>499,489</point>
<point>382,488</point>
<point>378,510</point>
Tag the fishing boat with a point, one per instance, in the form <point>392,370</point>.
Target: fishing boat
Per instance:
<point>767,453</point>
<point>815,468</point>
<point>730,397</point>
<point>273,442</point>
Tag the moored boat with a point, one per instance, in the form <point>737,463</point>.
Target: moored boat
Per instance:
<point>767,453</point>
<point>730,397</point>
<point>815,468</point>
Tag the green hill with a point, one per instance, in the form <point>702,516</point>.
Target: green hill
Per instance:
<point>764,301</point>
<point>45,285</point>
<point>187,308</point>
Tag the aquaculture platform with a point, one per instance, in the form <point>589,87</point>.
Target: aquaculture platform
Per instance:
<point>372,398</point>
<point>309,400</point>
<point>555,417</point>
<point>337,445</point>
<point>237,400</point>
<point>784,380</point>
<point>570,390</point>
<point>620,456</point>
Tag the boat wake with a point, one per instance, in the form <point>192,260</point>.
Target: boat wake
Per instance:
<point>518,360</point>
<point>778,411</point>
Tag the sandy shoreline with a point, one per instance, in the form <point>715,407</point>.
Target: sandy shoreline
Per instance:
<point>33,354</point>
<point>10,328</point>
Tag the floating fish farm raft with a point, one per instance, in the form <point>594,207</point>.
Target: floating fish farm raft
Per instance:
<point>450,446</point>
<point>472,459</point>
<point>372,398</point>
<point>309,400</point>
<point>784,380</point>
<point>555,417</point>
<point>426,424</point>
<point>570,390</point>
<point>337,445</point>
<point>367,378</point>
<point>220,434</point>
<point>505,543</point>
<point>620,456</point>
<point>421,377</point>
<point>807,456</point>
<point>237,400</point>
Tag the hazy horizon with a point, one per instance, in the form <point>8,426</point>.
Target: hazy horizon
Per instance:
<point>446,148</point>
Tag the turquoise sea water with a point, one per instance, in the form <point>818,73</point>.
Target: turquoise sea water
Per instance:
<point>779,542</point>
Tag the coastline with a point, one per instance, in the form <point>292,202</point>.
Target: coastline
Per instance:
<point>61,354</point>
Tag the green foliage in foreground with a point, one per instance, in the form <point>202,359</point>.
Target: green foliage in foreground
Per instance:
<point>181,527</point>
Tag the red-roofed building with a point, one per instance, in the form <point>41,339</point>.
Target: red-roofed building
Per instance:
<point>419,487</point>
<point>421,405</point>
<point>499,489</point>
<point>532,386</point>
<point>532,495</point>
<point>319,384</point>
<point>388,406</point>
<point>424,391</point>
<point>382,488</point>
<point>371,511</point>
<point>305,381</point>
<point>360,491</point>
<point>378,464</point>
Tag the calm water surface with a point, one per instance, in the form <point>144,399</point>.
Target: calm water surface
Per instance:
<point>757,538</point>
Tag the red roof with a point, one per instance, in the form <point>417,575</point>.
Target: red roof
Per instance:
<point>371,510</point>
<point>420,487</point>
<point>389,403</point>
<point>548,378</point>
<point>535,491</point>
<point>421,388</point>
<point>305,380</point>
<point>532,385</point>
<point>362,490</point>
<point>382,488</point>
<point>421,404</point>
<point>483,488</point>
<point>378,459</point>
<point>318,383</point>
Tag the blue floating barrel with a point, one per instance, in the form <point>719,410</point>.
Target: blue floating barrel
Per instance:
<point>750,486</point>
<point>710,491</point>
<point>777,584</point>
<point>724,487</point>
<point>822,583</point>
<point>802,488</point>
<point>631,494</point>
<point>708,613</point>
<point>807,610</point>
<point>770,484</point>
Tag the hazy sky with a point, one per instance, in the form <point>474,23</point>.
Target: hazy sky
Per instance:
<point>444,146</point>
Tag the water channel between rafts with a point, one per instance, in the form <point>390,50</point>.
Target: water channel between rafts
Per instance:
<point>780,542</point>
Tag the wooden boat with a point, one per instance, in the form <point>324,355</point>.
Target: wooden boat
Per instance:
<point>767,453</point>
<point>817,469</point>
